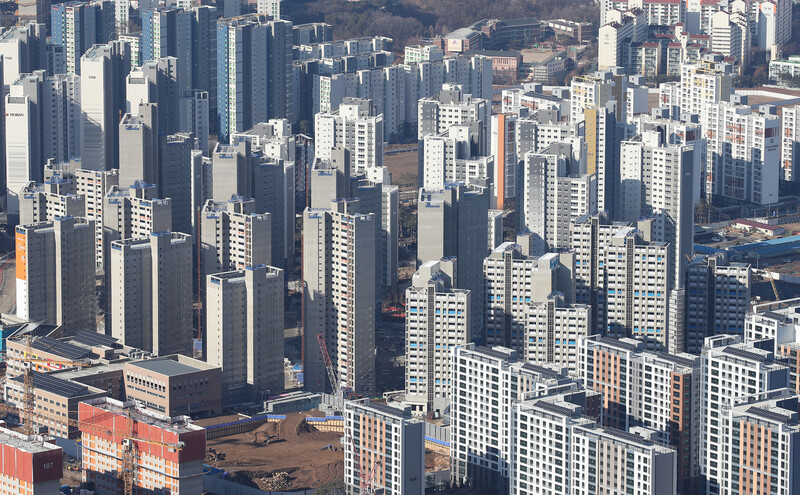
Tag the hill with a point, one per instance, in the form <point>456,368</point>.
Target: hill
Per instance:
<point>408,21</point>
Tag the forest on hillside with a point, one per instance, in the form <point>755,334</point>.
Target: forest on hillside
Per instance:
<point>408,21</point>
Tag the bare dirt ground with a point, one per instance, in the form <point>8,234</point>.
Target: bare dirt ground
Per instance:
<point>298,452</point>
<point>401,165</point>
<point>435,461</point>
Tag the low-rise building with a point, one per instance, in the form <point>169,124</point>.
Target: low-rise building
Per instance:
<point>169,450</point>
<point>175,385</point>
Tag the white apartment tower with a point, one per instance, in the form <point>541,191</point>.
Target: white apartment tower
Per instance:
<point>486,384</point>
<point>244,330</point>
<point>437,319</point>
<point>732,373</point>
<point>453,106</point>
<point>55,273</point>
<point>453,222</point>
<point>385,444</point>
<point>512,283</point>
<point>151,297</point>
<point>742,153</point>
<point>657,182</point>
<point>339,296</point>
<point>233,237</point>
<point>638,274</point>
<point>45,202</point>
<point>790,143</point>
<point>103,71</point>
<point>706,82</point>
<point>554,329</point>
<point>558,450</point>
<point>354,126</point>
<point>555,192</point>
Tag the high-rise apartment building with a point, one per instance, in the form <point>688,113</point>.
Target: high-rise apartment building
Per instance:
<point>600,131</point>
<point>245,170</point>
<point>195,118</point>
<point>132,213</point>
<point>759,429</point>
<point>512,282</point>
<point>557,449</point>
<point>437,319</point>
<point>45,202</point>
<point>271,8</point>
<point>486,384</point>
<point>717,299</point>
<point>103,71</point>
<point>233,236</point>
<point>448,157</point>
<point>76,26</point>
<point>254,72</point>
<point>23,49</point>
<point>641,388</point>
<point>204,58</point>
<point>637,281</point>
<point>355,126</point>
<point>339,295</point>
<point>151,297</point>
<point>167,32</point>
<point>452,222</point>
<point>244,330</point>
<point>593,91</point>
<point>331,180</point>
<point>157,82</point>
<point>741,150</point>
<point>384,444</point>
<point>657,182</point>
<point>555,192</point>
<point>504,151</point>
<point>453,105</point>
<point>158,467</point>
<point>709,81</point>
<point>42,122</point>
<point>553,330</point>
<point>55,273</point>
<point>790,143</point>
<point>731,372</point>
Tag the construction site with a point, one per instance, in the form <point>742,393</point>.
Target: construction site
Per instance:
<point>308,457</point>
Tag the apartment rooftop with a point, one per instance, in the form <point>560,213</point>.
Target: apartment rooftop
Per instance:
<point>177,425</point>
<point>30,444</point>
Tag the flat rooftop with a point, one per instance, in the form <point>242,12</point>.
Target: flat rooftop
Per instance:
<point>176,425</point>
<point>172,365</point>
<point>32,444</point>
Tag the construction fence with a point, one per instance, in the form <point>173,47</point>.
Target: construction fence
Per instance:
<point>328,423</point>
<point>241,426</point>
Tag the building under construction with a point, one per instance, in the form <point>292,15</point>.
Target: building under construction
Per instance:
<point>28,464</point>
<point>125,449</point>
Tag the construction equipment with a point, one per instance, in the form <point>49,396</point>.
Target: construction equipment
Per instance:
<point>774,286</point>
<point>326,358</point>
<point>129,471</point>
<point>366,479</point>
<point>336,385</point>
<point>129,456</point>
<point>28,392</point>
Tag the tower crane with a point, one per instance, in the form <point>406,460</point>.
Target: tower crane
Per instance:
<point>129,455</point>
